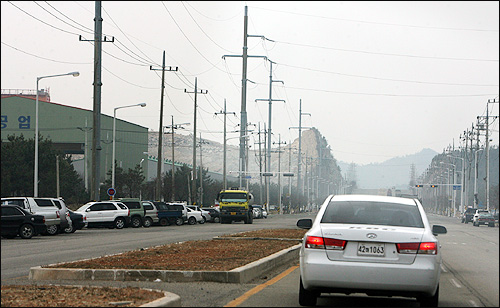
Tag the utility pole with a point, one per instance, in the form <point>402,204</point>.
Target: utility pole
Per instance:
<point>201,170</point>
<point>485,127</point>
<point>270,100</point>
<point>193,183</point>
<point>172,127</point>
<point>243,119</point>
<point>260,162</point>
<point>96,125</point>
<point>86,155</point>
<point>224,164</point>
<point>160,131</point>
<point>279,143</point>
<point>290,178</point>
<point>299,160</point>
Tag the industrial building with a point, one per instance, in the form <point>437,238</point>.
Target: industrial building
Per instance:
<point>70,130</point>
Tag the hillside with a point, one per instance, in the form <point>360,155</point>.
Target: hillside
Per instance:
<point>394,172</point>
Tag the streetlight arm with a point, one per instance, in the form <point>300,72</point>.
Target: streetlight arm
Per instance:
<point>75,74</point>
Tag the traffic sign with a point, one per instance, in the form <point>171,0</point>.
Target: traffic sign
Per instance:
<point>111,192</point>
<point>457,187</point>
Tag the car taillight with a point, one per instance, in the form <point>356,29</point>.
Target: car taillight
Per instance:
<point>421,248</point>
<point>128,213</point>
<point>58,216</point>
<point>316,242</point>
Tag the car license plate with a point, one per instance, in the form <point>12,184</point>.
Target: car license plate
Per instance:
<point>233,213</point>
<point>371,249</point>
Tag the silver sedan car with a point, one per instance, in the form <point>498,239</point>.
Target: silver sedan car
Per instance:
<point>378,245</point>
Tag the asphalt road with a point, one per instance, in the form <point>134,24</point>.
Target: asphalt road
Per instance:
<point>470,274</point>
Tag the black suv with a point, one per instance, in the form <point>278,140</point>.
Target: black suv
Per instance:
<point>468,215</point>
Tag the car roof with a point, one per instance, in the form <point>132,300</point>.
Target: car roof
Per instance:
<point>374,198</point>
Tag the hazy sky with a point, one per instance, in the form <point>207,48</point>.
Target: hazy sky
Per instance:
<point>380,79</point>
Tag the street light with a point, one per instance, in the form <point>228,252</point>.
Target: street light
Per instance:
<point>35,179</point>
<point>114,143</point>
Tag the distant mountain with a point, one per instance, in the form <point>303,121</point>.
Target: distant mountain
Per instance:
<point>394,172</point>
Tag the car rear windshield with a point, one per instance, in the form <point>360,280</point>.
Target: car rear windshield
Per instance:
<point>44,202</point>
<point>132,204</point>
<point>372,213</point>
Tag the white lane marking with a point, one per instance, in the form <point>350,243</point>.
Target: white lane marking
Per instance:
<point>473,303</point>
<point>464,243</point>
<point>455,283</point>
<point>443,269</point>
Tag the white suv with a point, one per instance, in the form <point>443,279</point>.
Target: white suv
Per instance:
<point>110,214</point>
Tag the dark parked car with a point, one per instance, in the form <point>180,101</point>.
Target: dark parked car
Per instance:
<point>468,215</point>
<point>78,222</point>
<point>214,214</point>
<point>17,221</point>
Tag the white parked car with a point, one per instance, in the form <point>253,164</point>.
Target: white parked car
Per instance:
<point>112,214</point>
<point>205,214</point>
<point>377,245</point>
<point>194,216</point>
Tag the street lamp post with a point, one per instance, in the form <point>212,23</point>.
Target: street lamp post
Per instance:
<point>451,190</point>
<point>35,179</point>
<point>114,140</point>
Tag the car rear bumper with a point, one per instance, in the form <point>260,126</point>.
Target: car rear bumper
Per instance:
<point>320,273</point>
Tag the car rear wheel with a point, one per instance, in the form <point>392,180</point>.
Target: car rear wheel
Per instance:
<point>136,222</point>
<point>147,222</point>
<point>69,229</point>
<point>191,220</point>
<point>26,231</point>
<point>163,222</point>
<point>52,230</point>
<point>216,219</point>
<point>307,298</point>
<point>203,220</point>
<point>179,221</point>
<point>119,223</point>
<point>430,301</point>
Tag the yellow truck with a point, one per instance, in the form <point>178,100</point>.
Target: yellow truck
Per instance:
<point>235,205</point>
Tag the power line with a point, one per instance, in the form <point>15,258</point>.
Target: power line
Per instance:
<point>33,55</point>
<point>387,54</point>
<point>390,79</point>
<point>173,19</point>
<point>91,30</point>
<point>211,17</point>
<point>378,23</point>
<point>152,61</point>
<point>182,2</point>
<point>41,20</point>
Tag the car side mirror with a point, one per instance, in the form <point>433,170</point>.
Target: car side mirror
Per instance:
<point>437,229</point>
<point>305,223</point>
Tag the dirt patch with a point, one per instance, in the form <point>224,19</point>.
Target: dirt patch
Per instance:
<point>271,233</point>
<point>210,255</point>
<point>74,296</point>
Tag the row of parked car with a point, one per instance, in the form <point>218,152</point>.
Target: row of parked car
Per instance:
<point>28,216</point>
<point>479,217</point>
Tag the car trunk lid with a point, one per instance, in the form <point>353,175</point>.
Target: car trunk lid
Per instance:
<point>372,243</point>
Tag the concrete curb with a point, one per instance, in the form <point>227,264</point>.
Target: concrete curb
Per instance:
<point>169,300</point>
<point>241,274</point>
